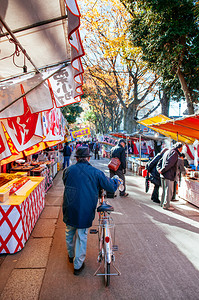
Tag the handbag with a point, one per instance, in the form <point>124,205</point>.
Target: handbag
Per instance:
<point>114,164</point>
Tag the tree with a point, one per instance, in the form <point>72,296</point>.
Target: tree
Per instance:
<point>114,64</point>
<point>196,10</point>
<point>167,33</point>
<point>103,103</point>
<point>71,112</point>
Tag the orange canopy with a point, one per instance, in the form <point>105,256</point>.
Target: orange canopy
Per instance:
<point>123,136</point>
<point>175,129</point>
<point>187,127</point>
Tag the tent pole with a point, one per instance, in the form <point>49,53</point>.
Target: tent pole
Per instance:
<point>140,149</point>
<point>35,25</point>
<point>24,94</point>
<point>17,43</point>
<point>127,145</point>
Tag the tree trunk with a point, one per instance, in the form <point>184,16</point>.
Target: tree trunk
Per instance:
<point>130,124</point>
<point>186,92</point>
<point>164,101</point>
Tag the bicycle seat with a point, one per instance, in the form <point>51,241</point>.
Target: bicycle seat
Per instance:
<point>105,207</point>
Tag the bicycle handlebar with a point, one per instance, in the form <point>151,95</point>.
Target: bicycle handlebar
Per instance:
<point>121,183</point>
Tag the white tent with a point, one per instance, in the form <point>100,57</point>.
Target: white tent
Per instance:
<point>40,62</point>
<point>33,29</point>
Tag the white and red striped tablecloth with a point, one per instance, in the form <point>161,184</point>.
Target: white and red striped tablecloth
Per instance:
<point>18,221</point>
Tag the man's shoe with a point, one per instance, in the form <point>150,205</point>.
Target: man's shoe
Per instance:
<point>70,259</point>
<point>156,201</point>
<point>78,271</point>
<point>125,195</point>
<point>171,208</point>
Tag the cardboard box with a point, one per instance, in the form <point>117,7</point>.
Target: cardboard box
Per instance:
<point>4,195</point>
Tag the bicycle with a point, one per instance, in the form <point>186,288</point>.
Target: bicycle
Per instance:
<point>106,245</point>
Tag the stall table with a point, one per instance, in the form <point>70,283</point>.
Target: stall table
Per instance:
<point>45,169</point>
<point>19,214</point>
<point>54,169</point>
<point>39,171</point>
<point>137,165</point>
<point>42,171</point>
<point>27,169</point>
<point>189,190</point>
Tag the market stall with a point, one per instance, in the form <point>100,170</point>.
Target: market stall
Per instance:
<point>173,134</point>
<point>35,83</point>
<point>41,71</point>
<point>189,190</point>
<point>107,143</point>
<point>184,130</point>
<point>44,169</point>
<point>134,161</point>
<point>19,210</point>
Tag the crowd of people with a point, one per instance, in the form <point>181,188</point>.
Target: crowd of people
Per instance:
<point>83,183</point>
<point>165,170</point>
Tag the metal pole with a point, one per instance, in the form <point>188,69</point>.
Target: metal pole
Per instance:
<point>18,44</point>
<point>140,148</point>
<point>35,25</point>
<point>127,145</point>
<point>31,89</point>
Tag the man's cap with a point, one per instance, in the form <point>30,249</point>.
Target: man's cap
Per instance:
<point>177,145</point>
<point>82,152</point>
<point>122,141</point>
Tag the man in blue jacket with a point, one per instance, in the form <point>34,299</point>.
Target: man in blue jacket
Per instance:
<point>82,183</point>
<point>67,154</point>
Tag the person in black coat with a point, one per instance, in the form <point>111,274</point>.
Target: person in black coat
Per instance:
<point>119,152</point>
<point>96,148</point>
<point>67,151</point>
<point>167,168</point>
<point>155,176</point>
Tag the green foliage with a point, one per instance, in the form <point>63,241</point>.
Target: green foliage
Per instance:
<point>90,116</point>
<point>168,34</point>
<point>71,112</point>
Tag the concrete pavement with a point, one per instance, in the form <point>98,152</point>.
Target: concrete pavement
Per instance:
<point>158,252</point>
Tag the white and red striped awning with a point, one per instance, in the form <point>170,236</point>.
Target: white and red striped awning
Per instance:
<point>41,38</point>
<point>46,31</point>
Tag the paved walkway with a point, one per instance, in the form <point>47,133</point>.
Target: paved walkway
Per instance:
<point>158,252</point>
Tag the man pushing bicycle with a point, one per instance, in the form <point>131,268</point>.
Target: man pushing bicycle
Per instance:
<point>83,183</point>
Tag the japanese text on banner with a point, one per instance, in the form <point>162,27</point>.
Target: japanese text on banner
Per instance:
<point>81,132</point>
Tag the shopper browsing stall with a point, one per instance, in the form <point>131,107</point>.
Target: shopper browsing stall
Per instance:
<point>167,167</point>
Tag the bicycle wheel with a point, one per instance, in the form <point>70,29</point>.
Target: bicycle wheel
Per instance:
<point>106,264</point>
<point>107,273</point>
